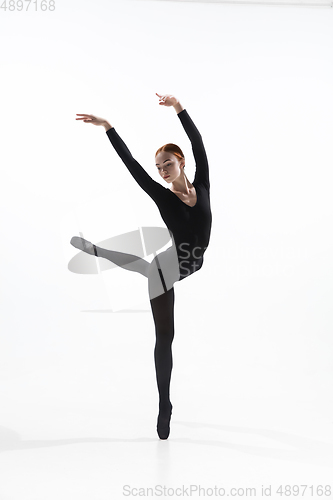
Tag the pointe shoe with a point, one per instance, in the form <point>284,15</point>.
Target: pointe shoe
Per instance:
<point>163,423</point>
<point>84,245</point>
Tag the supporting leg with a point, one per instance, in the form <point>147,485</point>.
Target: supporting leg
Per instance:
<point>163,314</point>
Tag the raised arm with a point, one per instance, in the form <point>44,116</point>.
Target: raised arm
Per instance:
<point>151,187</point>
<point>199,153</point>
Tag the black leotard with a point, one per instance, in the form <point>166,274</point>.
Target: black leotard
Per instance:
<point>189,226</point>
<point>190,229</point>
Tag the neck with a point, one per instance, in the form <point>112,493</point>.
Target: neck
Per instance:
<point>182,184</point>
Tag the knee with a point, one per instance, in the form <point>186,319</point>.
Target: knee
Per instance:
<point>164,335</point>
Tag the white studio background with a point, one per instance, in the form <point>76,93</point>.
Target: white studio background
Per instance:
<point>252,377</point>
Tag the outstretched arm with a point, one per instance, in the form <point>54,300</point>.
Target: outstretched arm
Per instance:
<point>151,187</point>
<point>199,153</point>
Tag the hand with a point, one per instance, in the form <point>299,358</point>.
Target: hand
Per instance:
<point>167,99</point>
<point>95,120</point>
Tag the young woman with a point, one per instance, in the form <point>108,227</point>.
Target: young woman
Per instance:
<point>185,209</point>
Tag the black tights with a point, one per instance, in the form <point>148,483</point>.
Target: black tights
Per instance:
<point>163,313</point>
<point>162,273</point>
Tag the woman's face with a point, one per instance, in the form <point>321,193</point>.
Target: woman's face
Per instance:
<point>168,166</point>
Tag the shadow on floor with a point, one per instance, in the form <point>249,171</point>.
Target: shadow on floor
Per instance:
<point>303,449</point>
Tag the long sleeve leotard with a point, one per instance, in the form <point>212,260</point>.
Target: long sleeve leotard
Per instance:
<point>190,226</point>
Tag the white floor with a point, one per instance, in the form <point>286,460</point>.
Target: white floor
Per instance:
<point>82,424</point>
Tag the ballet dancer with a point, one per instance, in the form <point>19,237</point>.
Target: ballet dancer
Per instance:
<point>185,209</point>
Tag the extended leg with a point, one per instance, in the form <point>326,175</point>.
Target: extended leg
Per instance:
<point>126,260</point>
<point>163,314</point>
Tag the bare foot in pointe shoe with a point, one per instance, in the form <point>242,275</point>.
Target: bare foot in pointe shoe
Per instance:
<point>84,245</point>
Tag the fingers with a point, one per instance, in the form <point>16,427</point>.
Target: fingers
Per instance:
<point>162,101</point>
<point>84,117</point>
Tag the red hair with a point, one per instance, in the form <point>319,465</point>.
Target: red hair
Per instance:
<point>171,148</point>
